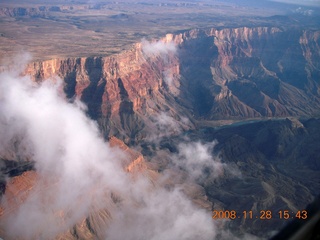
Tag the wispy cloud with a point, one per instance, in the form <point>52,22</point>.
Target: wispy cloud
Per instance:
<point>200,161</point>
<point>165,125</point>
<point>157,48</point>
<point>67,149</point>
<point>165,51</point>
<point>165,215</point>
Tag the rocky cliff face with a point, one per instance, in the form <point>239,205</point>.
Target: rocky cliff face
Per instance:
<point>121,91</point>
<point>214,74</point>
<point>254,72</point>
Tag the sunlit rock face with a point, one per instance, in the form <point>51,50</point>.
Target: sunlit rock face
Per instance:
<point>124,89</point>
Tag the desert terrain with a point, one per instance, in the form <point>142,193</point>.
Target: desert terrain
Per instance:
<point>141,119</point>
<point>100,28</point>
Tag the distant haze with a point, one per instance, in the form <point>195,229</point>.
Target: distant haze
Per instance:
<point>300,2</point>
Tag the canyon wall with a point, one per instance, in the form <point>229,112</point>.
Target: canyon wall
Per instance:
<point>211,74</point>
<point>122,91</point>
<point>253,72</point>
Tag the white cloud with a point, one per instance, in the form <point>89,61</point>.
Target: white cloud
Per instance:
<point>157,48</point>
<point>165,125</point>
<point>164,51</point>
<point>67,150</point>
<point>196,158</point>
<point>167,77</point>
<point>78,169</point>
<point>165,215</point>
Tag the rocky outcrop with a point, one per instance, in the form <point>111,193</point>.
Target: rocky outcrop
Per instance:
<point>134,161</point>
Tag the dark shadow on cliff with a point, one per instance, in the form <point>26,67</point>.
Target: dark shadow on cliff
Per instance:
<point>70,80</point>
<point>92,95</point>
<point>195,56</point>
<point>130,122</point>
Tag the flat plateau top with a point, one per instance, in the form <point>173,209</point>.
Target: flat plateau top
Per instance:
<point>51,29</point>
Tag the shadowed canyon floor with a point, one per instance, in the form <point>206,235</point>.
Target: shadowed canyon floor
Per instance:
<point>150,115</point>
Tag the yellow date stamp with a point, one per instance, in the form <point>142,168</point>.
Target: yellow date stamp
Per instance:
<point>262,214</point>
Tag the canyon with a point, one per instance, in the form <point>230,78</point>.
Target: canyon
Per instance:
<point>223,118</point>
<point>227,74</point>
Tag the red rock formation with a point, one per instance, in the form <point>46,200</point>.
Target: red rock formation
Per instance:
<point>124,88</point>
<point>135,161</point>
<point>17,190</point>
<point>138,75</point>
